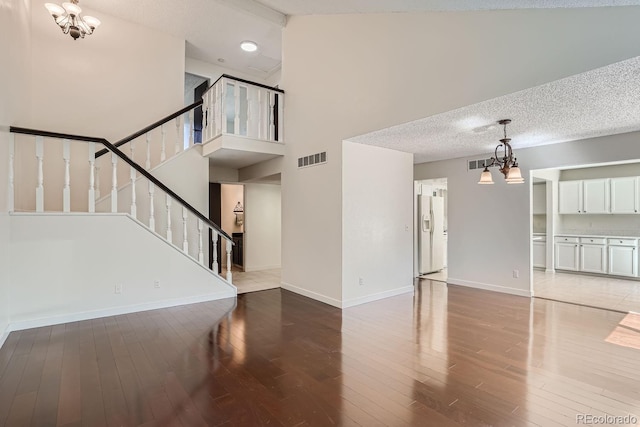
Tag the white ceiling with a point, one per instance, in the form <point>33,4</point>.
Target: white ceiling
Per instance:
<point>213,29</point>
<point>599,102</point>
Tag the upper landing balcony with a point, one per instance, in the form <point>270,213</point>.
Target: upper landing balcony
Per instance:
<point>242,123</point>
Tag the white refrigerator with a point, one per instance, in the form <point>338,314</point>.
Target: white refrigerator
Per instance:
<point>430,233</point>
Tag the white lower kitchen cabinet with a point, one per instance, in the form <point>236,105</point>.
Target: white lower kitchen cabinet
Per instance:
<point>593,258</point>
<point>623,260</point>
<point>567,256</point>
<point>539,254</point>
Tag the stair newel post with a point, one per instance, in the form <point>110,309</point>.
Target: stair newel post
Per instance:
<point>200,248</point>
<point>134,207</point>
<point>229,261</point>
<point>152,210</point>
<point>11,189</point>
<point>179,135</point>
<point>271,116</point>
<point>191,128</point>
<point>185,240</point>
<point>147,163</point>
<point>97,179</point>
<point>163,149</point>
<point>40,182</point>
<point>169,232</point>
<point>214,238</point>
<point>66,191</point>
<point>114,182</point>
<point>92,177</point>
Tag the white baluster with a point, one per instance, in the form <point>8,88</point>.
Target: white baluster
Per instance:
<point>214,237</point>
<point>92,177</point>
<point>134,206</point>
<point>11,190</point>
<point>185,241</point>
<point>114,182</point>
<point>179,136</point>
<point>97,181</point>
<point>200,248</point>
<point>132,147</point>
<point>169,232</point>
<point>152,211</point>
<point>262,114</point>
<point>280,123</point>
<point>236,106</point>
<point>191,131</point>
<point>66,191</point>
<point>272,125</point>
<point>229,261</point>
<point>223,103</point>
<point>147,164</point>
<point>217,129</point>
<point>163,149</point>
<point>40,182</point>
<point>252,116</point>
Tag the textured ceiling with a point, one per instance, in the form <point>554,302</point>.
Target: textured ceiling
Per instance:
<point>599,102</point>
<point>326,7</point>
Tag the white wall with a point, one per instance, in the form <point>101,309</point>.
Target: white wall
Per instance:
<point>109,84</point>
<point>15,94</point>
<point>263,221</point>
<point>65,268</point>
<point>187,175</point>
<point>486,242</point>
<point>346,75</point>
<point>377,248</point>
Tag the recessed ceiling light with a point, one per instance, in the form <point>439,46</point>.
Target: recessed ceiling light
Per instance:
<point>248,46</point>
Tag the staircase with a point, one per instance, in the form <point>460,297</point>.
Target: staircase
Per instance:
<point>99,229</point>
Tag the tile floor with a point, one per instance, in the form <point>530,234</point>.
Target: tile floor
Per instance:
<point>596,291</point>
<point>440,276</point>
<point>256,280</point>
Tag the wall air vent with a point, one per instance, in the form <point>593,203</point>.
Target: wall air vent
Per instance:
<point>478,164</point>
<point>312,160</point>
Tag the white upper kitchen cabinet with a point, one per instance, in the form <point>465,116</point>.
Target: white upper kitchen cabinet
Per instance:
<point>595,196</point>
<point>570,197</point>
<point>624,195</point>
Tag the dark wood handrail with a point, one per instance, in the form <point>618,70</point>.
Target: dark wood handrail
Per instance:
<point>151,127</point>
<point>111,147</point>
<point>227,76</point>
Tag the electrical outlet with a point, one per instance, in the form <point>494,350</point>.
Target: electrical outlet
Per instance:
<point>156,284</point>
<point>118,289</point>
<point>361,281</point>
<point>516,274</point>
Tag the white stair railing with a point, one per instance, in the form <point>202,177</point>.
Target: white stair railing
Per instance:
<point>238,107</point>
<point>139,199</point>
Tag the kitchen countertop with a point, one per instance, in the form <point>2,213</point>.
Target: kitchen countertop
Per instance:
<point>600,236</point>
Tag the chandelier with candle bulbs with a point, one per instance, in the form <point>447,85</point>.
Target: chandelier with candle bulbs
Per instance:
<point>69,20</point>
<point>507,163</point>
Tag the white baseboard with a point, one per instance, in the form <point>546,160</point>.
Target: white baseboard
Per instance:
<point>4,336</point>
<point>114,311</point>
<point>262,267</point>
<point>310,294</point>
<point>374,297</point>
<point>488,287</point>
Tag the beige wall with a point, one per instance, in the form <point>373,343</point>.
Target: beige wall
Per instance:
<point>346,75</point>
<point>263,218</point>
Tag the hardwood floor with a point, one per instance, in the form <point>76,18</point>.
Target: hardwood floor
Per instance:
<point>445,356</point>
